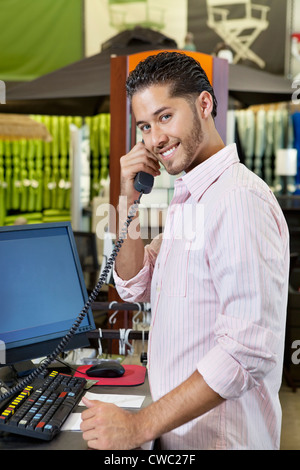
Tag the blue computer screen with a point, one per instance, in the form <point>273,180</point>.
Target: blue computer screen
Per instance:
<point>41,284</point>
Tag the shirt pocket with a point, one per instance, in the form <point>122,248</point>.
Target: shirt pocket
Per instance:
<point>174,274</point>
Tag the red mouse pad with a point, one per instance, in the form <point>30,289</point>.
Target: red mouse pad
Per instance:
<point>133,375</point>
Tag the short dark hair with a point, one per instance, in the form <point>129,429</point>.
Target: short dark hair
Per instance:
<point>183,73</point>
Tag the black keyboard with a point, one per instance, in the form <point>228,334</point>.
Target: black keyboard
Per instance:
<point>42,407</point>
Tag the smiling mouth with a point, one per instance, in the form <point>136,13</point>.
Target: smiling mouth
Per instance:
<point>169,153</point>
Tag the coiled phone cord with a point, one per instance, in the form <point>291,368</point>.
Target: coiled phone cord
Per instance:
<point>61,346</point>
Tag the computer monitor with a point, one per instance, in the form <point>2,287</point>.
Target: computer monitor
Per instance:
<point>42,290</point>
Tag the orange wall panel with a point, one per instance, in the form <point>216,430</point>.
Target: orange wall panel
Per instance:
<point>205,60</point>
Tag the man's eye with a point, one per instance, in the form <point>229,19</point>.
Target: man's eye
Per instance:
<point>145,127</point>
<point>165,117</point>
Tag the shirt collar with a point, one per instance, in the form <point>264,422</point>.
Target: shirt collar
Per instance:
<point>202,176</point>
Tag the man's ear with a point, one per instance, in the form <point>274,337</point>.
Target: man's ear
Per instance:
<point>204,104</point>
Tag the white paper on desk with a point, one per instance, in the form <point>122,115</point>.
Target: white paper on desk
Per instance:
<point>72,423</point>
<point>124,401</point>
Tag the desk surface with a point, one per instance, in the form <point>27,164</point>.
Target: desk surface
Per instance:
<point>70,440</point>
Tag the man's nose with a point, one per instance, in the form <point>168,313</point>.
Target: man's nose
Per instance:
<point>159,137</point>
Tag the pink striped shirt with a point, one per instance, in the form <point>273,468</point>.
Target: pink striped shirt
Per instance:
<point>218,303</point>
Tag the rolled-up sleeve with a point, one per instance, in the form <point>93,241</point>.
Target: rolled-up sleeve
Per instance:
<point>243,355</point>
<point>247,251</point>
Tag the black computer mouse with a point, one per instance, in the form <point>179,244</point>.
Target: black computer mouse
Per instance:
<point>107,369</point>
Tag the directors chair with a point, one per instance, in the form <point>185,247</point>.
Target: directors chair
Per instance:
<point>238,33</point>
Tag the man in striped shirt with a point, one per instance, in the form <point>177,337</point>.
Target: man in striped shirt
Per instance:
<point>217,279</point>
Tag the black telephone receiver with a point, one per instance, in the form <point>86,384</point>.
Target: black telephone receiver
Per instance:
<point>143,182</point>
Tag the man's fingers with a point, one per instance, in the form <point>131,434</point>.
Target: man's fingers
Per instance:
<point>89,403</point>
<point>90,412</point>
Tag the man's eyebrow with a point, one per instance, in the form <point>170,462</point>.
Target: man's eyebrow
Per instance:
<point>158,111</point>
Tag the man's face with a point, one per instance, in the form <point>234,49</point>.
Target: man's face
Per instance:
<point>171,128</point>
